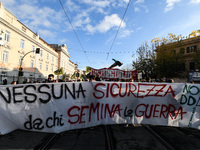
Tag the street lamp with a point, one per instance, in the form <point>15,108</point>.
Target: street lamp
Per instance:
<point>37,51</point>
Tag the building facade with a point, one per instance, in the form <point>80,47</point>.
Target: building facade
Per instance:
<point>64,62</point>
<point>18,45</point>
<point>189,48</point>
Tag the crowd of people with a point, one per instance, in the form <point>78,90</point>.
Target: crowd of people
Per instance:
<point>88,78</point>
<point>27,80</point>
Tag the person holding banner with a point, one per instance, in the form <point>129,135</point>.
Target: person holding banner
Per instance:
<point>14,82</point>
<point>26,81</point>
<point>91,78</point>
<point>97,78</point>
<point>51,78</point>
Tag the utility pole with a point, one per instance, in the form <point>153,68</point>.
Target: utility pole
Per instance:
<point>37,51</point>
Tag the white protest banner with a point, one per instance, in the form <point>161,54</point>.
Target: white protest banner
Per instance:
<point>57,107</point>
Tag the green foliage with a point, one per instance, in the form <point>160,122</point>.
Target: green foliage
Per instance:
<point>64,76</point>
<point>145,61</point>
<point>82,77</point>
<point>73,76</point>
<point>168,61</point>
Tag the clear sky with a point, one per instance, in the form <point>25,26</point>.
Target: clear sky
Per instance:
<point>96,23</point>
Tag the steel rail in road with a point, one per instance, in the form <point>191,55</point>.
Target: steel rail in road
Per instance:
<point>106,137</point>
<point>48,141</point>
<point>188,132</point>
<point>109,137</point>
<point>46,144</point>
<point>163,141</point>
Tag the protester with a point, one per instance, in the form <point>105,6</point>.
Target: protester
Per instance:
<point>4,81</point>
<point>97,78</point>
<point>51,78</point>
<point>170,81</point>
<point>35,82</point>
<point>26,81</point>
<point>91,78</point>
<point>45,81</point>
<point>14,82</point>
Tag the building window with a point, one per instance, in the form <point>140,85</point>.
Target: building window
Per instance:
<point>32,63</point>
<point>191,49</point>
<point>51,68</point>
<point>194,48</point>
<point>23,28</point>
<point>34,36</point>
<point>192,66</point>
<point>33,49</point>
<point>7,36</point>
<point>182,51</point>
<point>47,56</point>
<point>52,59</point>
<point>41,53</point>
<point>40,66</point>
<point>47,67</point>
<point>5,56</point>
<point>173,51</point>
<point>22,44</point>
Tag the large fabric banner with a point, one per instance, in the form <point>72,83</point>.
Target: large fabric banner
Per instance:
<point>106,73</point>
<point>57,107</point>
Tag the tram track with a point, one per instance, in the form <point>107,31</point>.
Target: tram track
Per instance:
<point>106,137</point>
<point>189,132</point>
<point>159,137</point>
<point>109,137</point>
<point>47,142</point>
<point>176,137</point>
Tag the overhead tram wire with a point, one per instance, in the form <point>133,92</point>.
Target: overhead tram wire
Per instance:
<point>101,52</point>
<point>74,30</point>
<point>118,29</point>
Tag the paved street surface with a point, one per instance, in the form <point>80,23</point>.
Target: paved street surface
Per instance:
<point>112,137</point>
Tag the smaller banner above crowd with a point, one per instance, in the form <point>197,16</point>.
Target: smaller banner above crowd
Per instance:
<point>106,73</point>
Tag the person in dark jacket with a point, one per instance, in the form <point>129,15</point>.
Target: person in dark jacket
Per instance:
<point>51,78</point>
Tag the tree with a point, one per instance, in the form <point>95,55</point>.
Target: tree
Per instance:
<point>145,62</point>
<point>168,62</point>
<point>127,67</point>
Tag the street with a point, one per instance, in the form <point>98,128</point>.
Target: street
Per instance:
<point>110,137</point>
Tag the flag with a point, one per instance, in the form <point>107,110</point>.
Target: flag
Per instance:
<point>58,71</point>
<point>117,63</point>
<point>88,69</point>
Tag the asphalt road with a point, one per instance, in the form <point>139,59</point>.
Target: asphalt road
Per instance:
<point>112,137</point>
